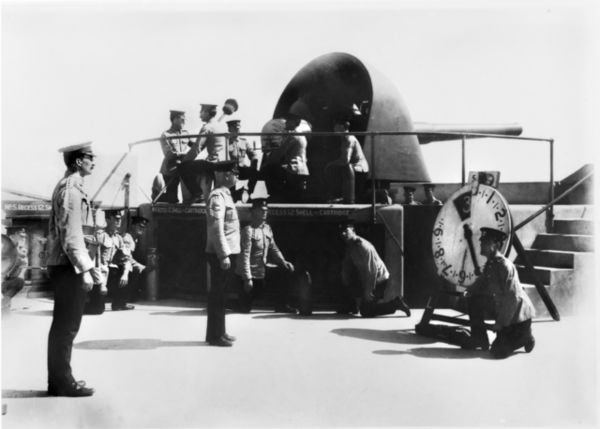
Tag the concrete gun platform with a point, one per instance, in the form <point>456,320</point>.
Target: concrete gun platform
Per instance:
<point>151,368</point>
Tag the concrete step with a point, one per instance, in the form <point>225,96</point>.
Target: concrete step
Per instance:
<point>547,275</point>
<point>549,258</point>
<point>561,297</point>
<point>574,226</point>
<point>568,242</point>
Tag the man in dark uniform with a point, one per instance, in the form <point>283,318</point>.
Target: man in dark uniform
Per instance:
<point>222,245</point>
<point>498,292</point>
<point>365,275</point>
<point>70,268</point>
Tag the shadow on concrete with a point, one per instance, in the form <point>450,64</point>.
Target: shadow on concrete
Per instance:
<point>438,353</point>
<point>199,312</point>
<point>12,394</point>
<point>134,344</point>
<point>324,316</point>
<point>391,336</point>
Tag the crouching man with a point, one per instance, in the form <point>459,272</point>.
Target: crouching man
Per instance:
<point>365,275</point>
<point>257,244</point>
<point>498,292</point>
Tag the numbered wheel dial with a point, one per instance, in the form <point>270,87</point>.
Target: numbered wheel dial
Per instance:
<point>456,232</point>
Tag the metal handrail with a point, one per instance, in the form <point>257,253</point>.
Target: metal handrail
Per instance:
<point>372,134</point>
<point>554,201</point>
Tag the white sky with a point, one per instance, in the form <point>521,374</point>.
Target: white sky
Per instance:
<point>110,72</point>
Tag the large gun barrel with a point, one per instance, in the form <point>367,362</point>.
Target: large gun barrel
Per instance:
<point>441,132</point>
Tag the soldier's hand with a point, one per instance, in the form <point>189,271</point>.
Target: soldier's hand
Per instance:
<point>103,289</point>
<point>289,266</point>
<point>248,285</point>
<point>96,275</point>
<point>123,281</point>
<point>88,281</point>
<point>225,263</point>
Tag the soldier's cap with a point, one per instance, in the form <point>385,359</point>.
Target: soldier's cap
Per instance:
<point>176,113</point>
<point>429,186</point>
<point>492,233</point>
<point>115,212</point>
<point>135,220</point>
<point>232,118</point>
<point>224,166</point>
<point>84,148</point>
<point>260,203</point>
<point>10,230</point>
<point>230,106</point>
<point>410,189</point>
<point>347,223</point>
<point>208,107</point>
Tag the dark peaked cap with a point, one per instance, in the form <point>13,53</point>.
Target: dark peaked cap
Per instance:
<point>224,166</point>
<point>113,212</point>
<point>494,234</point>
<point>260,203</point>
<point>139,219</point>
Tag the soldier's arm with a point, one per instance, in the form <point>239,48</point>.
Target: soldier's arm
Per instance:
<point>217,212</point>
<point>246,250</point>
<point>168,148</point>
<point>505,297</point>
<point>277,255</point>
<point>71,229</point>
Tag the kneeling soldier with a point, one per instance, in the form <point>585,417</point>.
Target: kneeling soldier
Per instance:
<point>499,292</point>
<point>366,276</point>
<point>257,244</point>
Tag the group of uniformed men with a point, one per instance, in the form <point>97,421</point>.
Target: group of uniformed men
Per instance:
<point>76,268</point>
<point>283,166</point>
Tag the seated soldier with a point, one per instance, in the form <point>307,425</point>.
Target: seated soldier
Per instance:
<point>131,239</point>
<point>257,244</point>
<point>15,251</point>
<point>351,160</point>
<point>366,277</point>
<point>115,255</point>
<point>498,292</point>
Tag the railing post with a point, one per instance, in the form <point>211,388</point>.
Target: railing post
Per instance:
<point>373,195</point>
<point>550,212</point>
<point>463,174</point>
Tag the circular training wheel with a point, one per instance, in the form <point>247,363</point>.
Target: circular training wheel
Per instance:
<point>456,231</point>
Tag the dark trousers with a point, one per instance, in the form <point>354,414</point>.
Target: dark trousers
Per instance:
<point>508,339</point>
<point>119,295</point>
<point>172,182</point>
<point>246,298</point>
<point>215,305</point>
<point>511,338</point>
<point>95,301</point>
<point>375,308</point>
<point>480,307</point>
<point>69,300</point>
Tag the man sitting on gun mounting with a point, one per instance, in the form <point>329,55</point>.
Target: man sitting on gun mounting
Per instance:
<point>366,276</point>
<point>499,292</point>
